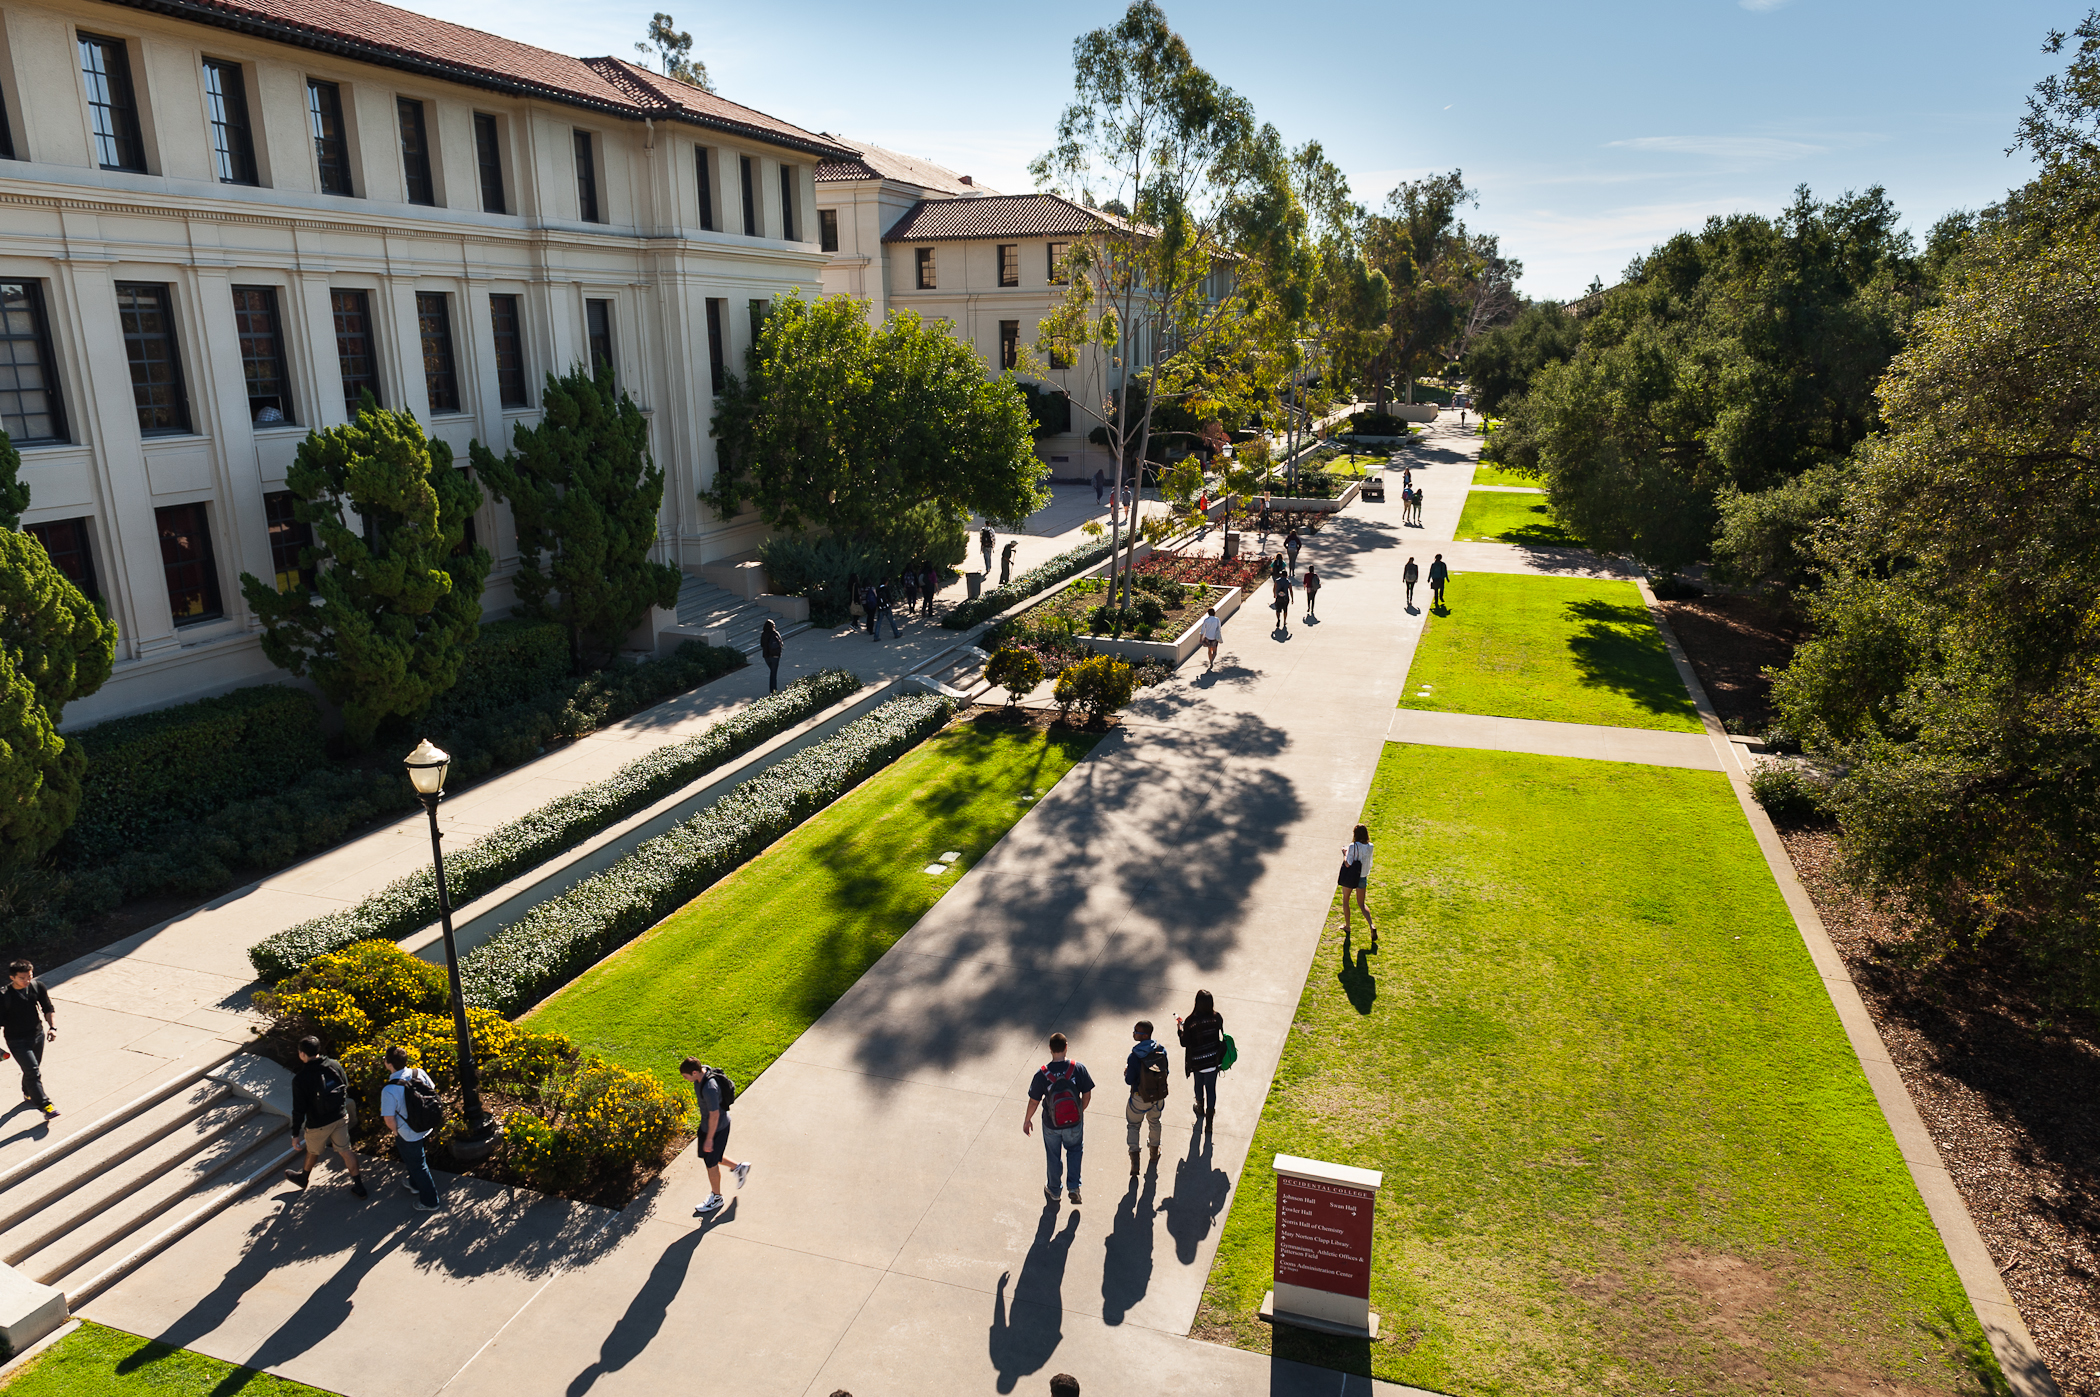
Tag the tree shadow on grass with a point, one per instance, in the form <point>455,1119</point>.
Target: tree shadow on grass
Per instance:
<point>1618,648</point>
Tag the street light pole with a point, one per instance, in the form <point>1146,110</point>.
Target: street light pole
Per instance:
<point>426,771</point>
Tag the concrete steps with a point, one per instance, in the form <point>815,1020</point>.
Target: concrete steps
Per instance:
<point>702,604</point>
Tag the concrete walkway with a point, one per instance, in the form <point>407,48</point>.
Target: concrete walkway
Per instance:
<point>1685,749</point>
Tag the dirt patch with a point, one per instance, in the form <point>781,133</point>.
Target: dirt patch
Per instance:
<point>1731,642</point>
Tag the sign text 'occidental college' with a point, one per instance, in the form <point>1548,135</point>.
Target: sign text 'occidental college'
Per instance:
<point>1323,1246</point>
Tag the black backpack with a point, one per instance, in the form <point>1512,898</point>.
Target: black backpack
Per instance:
<point>332,1097</point>
<point>1152,1077</point>
<point>421,1107</point>
<point>722,1083</point>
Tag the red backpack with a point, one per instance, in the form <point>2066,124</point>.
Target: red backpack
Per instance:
<point>1061,1103</point>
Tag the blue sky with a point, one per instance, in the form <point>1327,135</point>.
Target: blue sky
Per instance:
<point>1590,132</point>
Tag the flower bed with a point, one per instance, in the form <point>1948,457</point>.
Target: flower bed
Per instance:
<point>1204,571</point>
<point>410,903</point>
<point>1084,603</point>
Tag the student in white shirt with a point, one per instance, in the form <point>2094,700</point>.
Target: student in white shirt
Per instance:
<point>1213,631</point>
<point>1356,876</point>
<point>409,1144</point>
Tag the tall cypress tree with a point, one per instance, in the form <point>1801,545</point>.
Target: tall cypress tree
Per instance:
<point>55,646</point>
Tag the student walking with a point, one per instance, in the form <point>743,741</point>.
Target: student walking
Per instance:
<point>1409,576</point>
<point>1438,576</point>
<point>889,611</point>
<point>770,648</point>
<point>1282,604</point>
<point>1145,1073</point>
<point>871,608</point>
<point>1006,561</point>
<point>716,1094</point>
<point>321,1116</point>
<point>1312,590</point>
<point>911,588</point>
<point>1213,632</point>
<point>1202,1036</point>
<point>26,1020</point>
<point>1355,878</point>
<point>929,583</point>
<point>1100,486</point>
<point>1291,545</point>
<point>985,539</point>
<point>408,1096</point>
<point>1061,1088</point>
<point>1418,507</point>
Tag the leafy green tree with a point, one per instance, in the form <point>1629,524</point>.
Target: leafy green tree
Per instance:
<point>55,646</point>
<point>673,48</point>
<point>14,495</point>
<point>891,435</point>
<point>1420,245</point>
<point>1501,363</point>
<point>586,497</point>
<point>396,594</point>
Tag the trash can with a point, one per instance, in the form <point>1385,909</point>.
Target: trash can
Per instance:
<point>1232,543</point>
<point>975,580</point>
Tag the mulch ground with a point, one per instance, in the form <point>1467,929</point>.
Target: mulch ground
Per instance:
<point>2007,1082</point>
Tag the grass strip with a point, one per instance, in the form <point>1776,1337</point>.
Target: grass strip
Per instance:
<point>410,903</point>
<point>1486,474</point>
<point>1561,649</point>
<point>1493,517</point>
<point>738,973</point>
<point>966,614</point>
<point>565,935</point>
<point>93,1360</point>
<point>1627,1146</point>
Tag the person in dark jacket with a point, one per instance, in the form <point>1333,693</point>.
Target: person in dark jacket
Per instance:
<point>1202,1036</point>
<point>1006,562</point>
<point>1138,1111</point>
<point>21,1001</point>
<point>871,603</point>
<point>985,540</point>
<point>929,583</point>
<point>321,1115</point>
<point>770,648</point>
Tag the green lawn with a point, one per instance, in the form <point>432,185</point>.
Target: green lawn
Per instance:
<point>1485,474</point>
<point>1627,1147</point>
<point>1494,517</point>
<point>737,973</point>
<point>1567,650</point>
<point>93,1360</point>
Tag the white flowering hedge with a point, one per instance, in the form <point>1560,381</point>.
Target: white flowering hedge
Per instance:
<point>409,904</point>
<point>566,935</point>
<point>964,615</point>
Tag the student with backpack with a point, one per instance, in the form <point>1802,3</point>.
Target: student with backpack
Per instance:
<point>409,1105</point>
<point>1312,591</point>
<point>321,1115</point>
<point>1061,1089</point>
<point>1203,1041</point>
<point>1145,1072</point>
<point>716,1094</point>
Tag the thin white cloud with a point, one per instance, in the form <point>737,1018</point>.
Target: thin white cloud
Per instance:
<point>1725,147</point>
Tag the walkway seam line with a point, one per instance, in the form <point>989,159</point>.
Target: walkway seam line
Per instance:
<point>559,1272</point>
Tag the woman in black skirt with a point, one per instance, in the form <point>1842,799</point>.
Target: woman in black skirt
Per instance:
<point>1202,1036</point>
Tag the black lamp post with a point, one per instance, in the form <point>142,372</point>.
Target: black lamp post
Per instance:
<point>426,771</point>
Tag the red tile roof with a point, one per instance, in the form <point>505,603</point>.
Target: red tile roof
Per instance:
<point>997,216</point>
<point>371,32</point>
<point>874,162</point>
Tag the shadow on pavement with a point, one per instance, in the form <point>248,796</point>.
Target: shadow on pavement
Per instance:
<point>1126,1270</point>
<point>1200,1191</point>
<point>1027,1331</point>
<point>651,1305</point>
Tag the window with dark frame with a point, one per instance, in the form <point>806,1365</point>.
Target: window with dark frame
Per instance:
<point>1009,344</point>
<point>488,158</point>
<point>758,318</point>
<point>434,325</point>
<point>828,229</point>
<point>324,108</point>
<point>597,326</point>
<point>113,111</point>
<point>704,166</point>
<point>787,203</point>
<point>415,151</point>
<point>146,313</point>
<point>354,350</point>
<point>1059,359</point>
<point>262,355</point>
<point>1009,264</point>
<point>510,351</point>
<point>717,352</point>
<point>747,168</point>
<point>7,133</point>
<point>928,278</point>
<point>586,179</point>
<point>1058,272</point>
<point>186,561</point>
<point>232,139</point>
<point>66,541</point>
<point>30,407</point>
<point>288,536</point>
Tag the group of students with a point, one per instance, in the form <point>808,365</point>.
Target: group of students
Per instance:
<point>877,598</point>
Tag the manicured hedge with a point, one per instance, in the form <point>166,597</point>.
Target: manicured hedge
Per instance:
<point>509,661</point>
<point>967,614</point>
<point>410,903</point>
<point>566,935</point>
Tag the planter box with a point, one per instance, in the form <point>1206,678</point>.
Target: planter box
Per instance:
<point>1333,506</point>
<point>1172,651</point>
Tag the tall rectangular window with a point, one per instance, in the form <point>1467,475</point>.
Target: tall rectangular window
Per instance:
<point>828,229</point>
<point>288,538</point>
<point>232,140</point>
<point>146,314</point>
<point>929,277</point>
<point>717,352</point>
<point>1058,253</point>
<point>1009,344</point>
<point>586,179</point>
<point>66,541</point>
<point>262,354</point>
<point>354,349</point>
<point>30,408</point>
<point>758,318</point>
<point>434,324</point>
<point>7,134</point>
<point>787,203</point>
<point>415,151</point>
<point>324,108</point>
<point>748,169</point>
<point>488,158</point>
<point>1009,264</point>
<point>704,166</point>
<point>597,328</point>
<point>186,560</point>
<point>510,351</point>
<point>112,108</point>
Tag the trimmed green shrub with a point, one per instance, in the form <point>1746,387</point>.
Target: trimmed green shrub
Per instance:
<point>508,661</point>
<point>565,935</point>
<point>1787,793</point>
<point>964,615</point>
<point>1100,686</point>
<point>410,903</point>
<point>1016,671</point>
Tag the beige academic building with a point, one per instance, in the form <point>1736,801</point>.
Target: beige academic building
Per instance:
<point>223,220</point>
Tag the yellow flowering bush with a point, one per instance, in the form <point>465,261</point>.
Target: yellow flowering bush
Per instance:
<point>600,1117</point>
<point>347,995</point>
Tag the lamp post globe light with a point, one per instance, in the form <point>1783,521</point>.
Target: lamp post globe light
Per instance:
<point>426,772</point>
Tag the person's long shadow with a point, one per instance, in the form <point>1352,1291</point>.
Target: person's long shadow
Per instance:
<point>651,1305</point>
<point>1357,980</point>
<point>1027,1331</point>
<point>1126,1271</point>
<point>1200,1190</point>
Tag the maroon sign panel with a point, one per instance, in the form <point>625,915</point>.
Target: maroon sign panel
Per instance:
<point>1323,1236</point>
